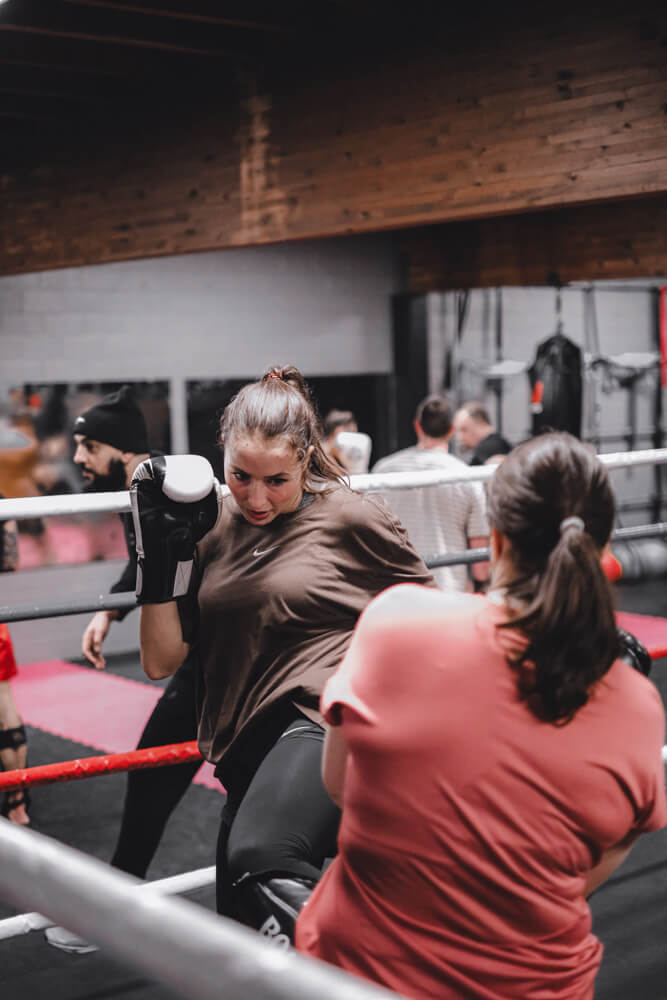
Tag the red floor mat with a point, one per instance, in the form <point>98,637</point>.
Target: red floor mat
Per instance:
<point>87,706</point>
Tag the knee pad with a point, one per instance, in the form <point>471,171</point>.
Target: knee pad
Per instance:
<point>271,904</point>
<point>12,739</point>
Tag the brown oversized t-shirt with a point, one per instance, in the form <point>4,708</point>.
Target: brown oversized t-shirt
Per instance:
<point>278,603</point>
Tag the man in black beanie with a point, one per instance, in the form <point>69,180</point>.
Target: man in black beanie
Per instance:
<point>111,441</point>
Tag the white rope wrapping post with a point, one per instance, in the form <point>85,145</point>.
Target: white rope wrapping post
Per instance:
<point>93,503</point>
<point>68,505</point>
<point>24,923</point>
<point>175,942</point>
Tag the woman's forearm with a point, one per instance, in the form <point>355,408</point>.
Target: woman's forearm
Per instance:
<point>334,761</point>
<point>161,638</point>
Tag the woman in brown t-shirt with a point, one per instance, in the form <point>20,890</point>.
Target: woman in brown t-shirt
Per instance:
<point>293,559</point>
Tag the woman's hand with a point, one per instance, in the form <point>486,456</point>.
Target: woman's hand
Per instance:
<point>94,636</point>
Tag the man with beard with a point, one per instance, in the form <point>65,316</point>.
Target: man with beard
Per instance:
<point>111,440</point>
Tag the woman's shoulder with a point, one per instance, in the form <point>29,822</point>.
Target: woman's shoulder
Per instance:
<point>635,691</point>
<point>342,504</point>
<point>407,601</point>
<point>351,507</point>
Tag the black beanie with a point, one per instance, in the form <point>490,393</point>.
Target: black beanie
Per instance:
<point>115,420</point>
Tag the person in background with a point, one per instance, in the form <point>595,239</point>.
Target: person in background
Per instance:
<point>345,443</point>
<point>19,450</point>
<point>111,441</point>
<point>494,757</point>
<point>280,570</point>
<point>475,432</point>
<point>439,519</point>
<point>13,747</point>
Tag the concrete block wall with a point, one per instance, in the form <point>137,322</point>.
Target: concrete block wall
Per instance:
<point>323,306</point>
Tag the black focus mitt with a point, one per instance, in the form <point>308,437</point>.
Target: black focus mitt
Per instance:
<point>174,502</point>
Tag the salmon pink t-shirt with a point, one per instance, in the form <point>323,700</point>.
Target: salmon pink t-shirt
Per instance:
<point>469,825</point>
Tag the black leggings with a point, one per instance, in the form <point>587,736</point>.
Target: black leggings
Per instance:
<point>279,821</point>
<point>153,794</point>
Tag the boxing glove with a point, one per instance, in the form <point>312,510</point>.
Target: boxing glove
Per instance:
<point>174,501</point>
<point>632,651</point>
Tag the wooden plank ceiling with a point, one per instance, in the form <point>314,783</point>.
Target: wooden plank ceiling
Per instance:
<point>143,127</point>
<point>68,63</point>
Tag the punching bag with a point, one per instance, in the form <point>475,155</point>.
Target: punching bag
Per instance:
<point>557,386</point>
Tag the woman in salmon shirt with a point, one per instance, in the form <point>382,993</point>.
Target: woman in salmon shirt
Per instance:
<point>494,757</point>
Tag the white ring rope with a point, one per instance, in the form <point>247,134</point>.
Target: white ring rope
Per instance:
<point>197,954</point>
<point>24,923</point>
<point>95,503</point>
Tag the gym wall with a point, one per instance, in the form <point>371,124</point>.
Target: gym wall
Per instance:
<point>324,306</point>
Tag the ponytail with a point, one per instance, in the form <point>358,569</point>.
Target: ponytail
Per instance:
<point>552,500</point>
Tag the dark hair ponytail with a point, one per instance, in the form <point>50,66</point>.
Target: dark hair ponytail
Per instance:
<point>552,500</point>
<point>280,404</point>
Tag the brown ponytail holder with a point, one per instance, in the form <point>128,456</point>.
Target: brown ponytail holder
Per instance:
<point>274,373</point>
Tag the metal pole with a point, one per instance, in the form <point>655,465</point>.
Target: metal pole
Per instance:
<point>103,602</point>
<point>196,954</point>
<point>178,415</point>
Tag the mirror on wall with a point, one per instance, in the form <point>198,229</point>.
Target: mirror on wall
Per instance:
<point>37,448</point>
<point>36,452</point>
<point>364,395</point>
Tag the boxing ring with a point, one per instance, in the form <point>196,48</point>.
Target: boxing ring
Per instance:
<point>174,941</point>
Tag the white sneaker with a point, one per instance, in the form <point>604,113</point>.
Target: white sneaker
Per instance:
<point>66,940</point>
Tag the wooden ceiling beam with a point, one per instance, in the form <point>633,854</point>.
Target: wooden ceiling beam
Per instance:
<point>116,26</point>
<point>118,40</point>
<point>71,56</point>
<point>35,107</point>
<point>183,10</point>
<point>23,79</point>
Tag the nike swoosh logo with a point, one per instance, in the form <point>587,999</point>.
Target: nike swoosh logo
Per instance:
<point>262,552</point>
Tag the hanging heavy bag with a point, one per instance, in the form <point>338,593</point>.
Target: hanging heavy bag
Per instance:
<point>557,385</point>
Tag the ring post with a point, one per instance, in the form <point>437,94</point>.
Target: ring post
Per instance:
<point>175,942</point>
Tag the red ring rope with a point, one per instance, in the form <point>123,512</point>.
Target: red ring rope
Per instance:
<point>89,767</point>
